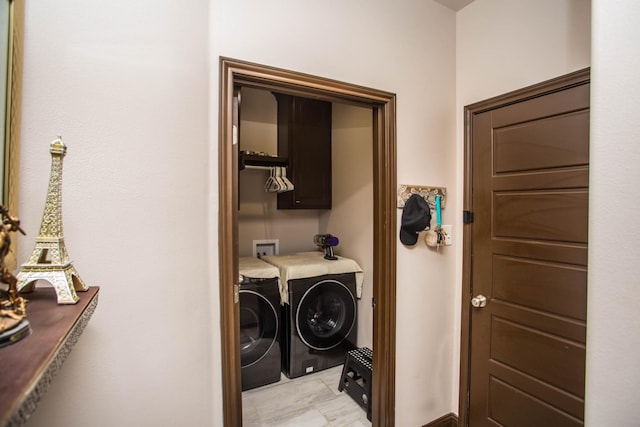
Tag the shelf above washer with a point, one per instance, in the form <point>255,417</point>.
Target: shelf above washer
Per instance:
<point>261,160</point>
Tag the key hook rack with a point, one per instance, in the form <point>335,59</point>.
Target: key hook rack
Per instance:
<point>428,193</point>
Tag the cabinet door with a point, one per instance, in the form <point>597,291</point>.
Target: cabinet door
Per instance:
<point>304,137</point>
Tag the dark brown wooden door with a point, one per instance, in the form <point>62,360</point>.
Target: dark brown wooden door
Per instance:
<point>529,177</point>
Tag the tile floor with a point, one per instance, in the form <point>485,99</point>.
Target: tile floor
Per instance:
<point>309,401</point>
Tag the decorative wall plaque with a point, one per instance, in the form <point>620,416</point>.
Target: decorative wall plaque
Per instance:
<point>428,193</point>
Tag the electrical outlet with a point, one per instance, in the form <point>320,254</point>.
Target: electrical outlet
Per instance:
<point>448,234</point>
<point>266,247</point>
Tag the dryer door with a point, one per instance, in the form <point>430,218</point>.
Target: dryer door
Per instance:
<point>258,327</point>
<point>326,314</point>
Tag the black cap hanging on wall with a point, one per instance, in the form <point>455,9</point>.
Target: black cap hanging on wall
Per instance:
<point>416,217</point>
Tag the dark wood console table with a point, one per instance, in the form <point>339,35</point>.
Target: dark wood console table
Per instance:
<point>28,366</point>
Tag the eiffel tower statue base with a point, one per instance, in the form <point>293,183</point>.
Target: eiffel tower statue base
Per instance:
<point>62,275</point>
<point>49,260</point>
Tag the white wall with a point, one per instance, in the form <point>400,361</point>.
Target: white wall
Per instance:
<point>351,216</point>
<point>125,83</point>
<point>258,110</point>
<point>613,340</point>
<point>407,50</point>
<point>505,45</point>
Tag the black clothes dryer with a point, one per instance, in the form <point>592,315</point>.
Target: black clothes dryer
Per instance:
<point>319,323</point>
<point>260,355</point>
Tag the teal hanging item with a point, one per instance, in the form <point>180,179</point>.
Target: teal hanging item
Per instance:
<point>438,212</point>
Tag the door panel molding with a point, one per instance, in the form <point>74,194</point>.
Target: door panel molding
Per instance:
<point>566,82</point>
<point>383,104</point>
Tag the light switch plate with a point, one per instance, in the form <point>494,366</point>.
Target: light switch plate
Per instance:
<point>448,237</point>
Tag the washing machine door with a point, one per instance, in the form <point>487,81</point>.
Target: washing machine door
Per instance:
<point>258,327</point>
<point>326,314</point>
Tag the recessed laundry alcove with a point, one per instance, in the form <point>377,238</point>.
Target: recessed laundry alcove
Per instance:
<point>373,191</point>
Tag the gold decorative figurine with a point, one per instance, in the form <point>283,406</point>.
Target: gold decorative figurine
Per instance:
<point>49,260</point>
<point>13,323</point>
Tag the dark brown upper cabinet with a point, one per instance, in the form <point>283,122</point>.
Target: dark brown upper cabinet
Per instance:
<point>304,138</point>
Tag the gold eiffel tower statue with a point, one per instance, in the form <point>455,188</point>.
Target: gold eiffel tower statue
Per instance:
<point>49,260</point>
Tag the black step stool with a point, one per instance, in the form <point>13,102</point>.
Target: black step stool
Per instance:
<point>356,377</point>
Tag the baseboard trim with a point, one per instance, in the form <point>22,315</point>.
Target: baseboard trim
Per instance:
<point>449,420</point>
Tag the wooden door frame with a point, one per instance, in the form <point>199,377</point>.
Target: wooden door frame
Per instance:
<point>550,86</point>
<point>383,104</point>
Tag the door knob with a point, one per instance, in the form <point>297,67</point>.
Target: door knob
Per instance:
<point>479,301</point>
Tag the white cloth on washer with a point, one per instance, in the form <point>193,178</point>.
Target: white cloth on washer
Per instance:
<point>257,269</point>
<point>311,264</point>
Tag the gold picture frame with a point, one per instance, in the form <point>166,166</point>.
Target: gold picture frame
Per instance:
<point>11,42</point>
